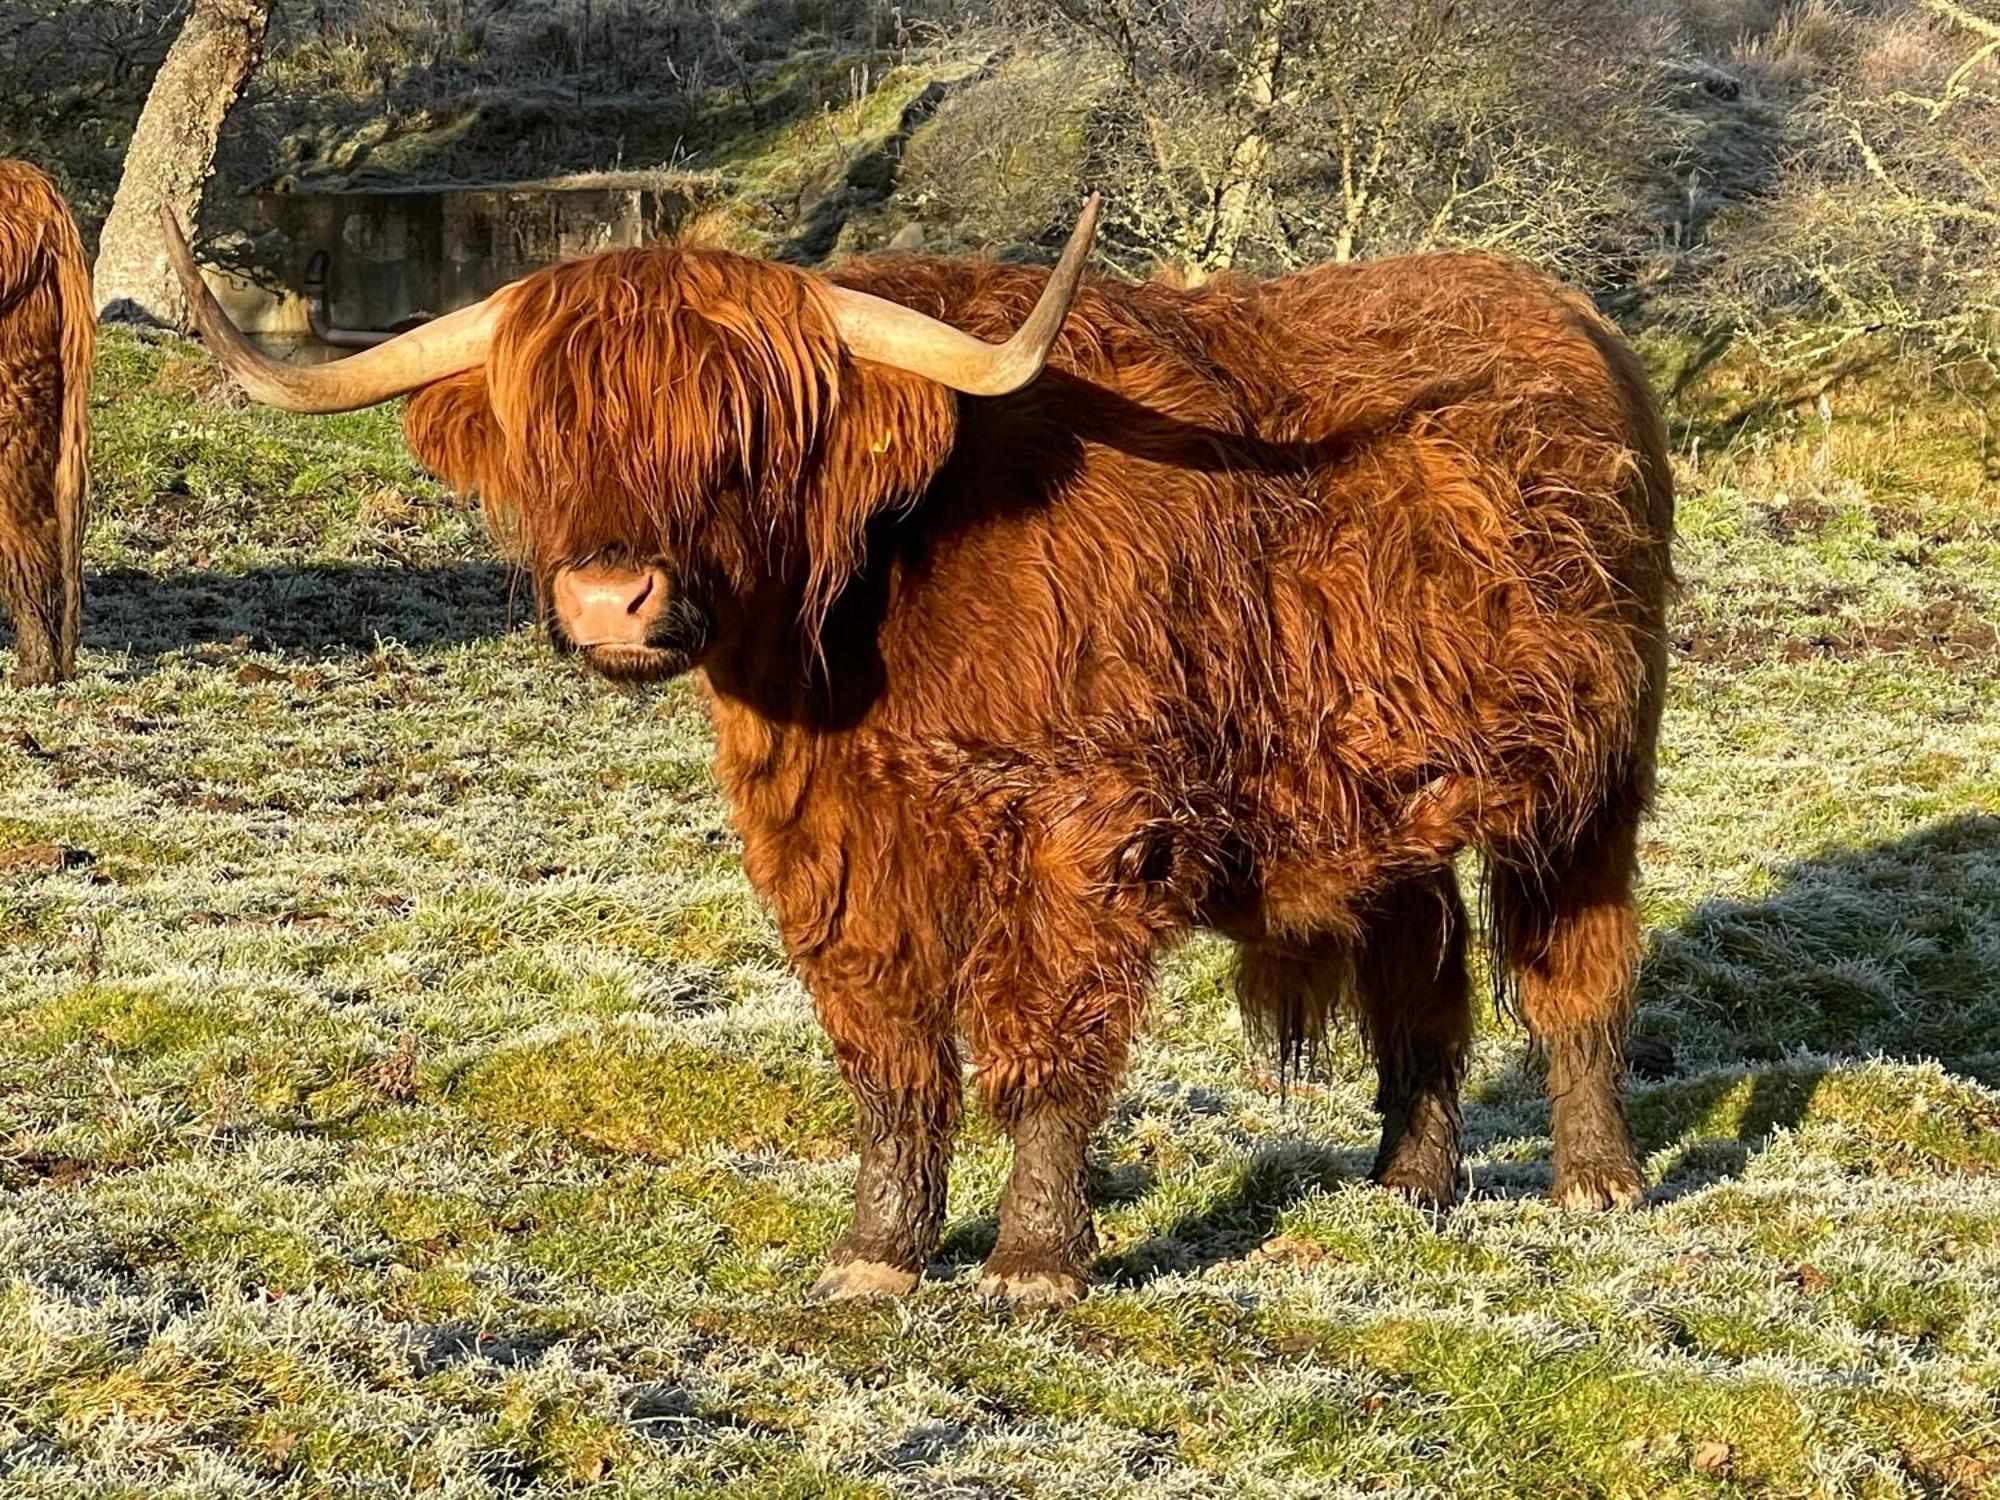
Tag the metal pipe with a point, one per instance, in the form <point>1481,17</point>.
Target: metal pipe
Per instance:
<point>325,332</point>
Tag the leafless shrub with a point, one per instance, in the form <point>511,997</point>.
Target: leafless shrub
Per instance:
<point>1000,162</point>
<point>1882,233</point>
<point>72,78</point>
<point>1286,131</point>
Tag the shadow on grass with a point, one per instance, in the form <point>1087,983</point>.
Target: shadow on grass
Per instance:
<point>319,610</point>
<point>1891,950</point>
<point>1273,1177</point>
<point>1888,950</point>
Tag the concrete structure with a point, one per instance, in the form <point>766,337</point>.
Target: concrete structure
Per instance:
<point>401,253</point>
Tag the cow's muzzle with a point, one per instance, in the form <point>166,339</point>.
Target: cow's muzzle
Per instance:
<point>630,624</point>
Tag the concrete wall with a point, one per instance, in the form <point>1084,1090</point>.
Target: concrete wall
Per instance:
<point>424,251</point>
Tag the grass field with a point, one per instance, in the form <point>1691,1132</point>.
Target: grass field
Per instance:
<point>401,1092</point>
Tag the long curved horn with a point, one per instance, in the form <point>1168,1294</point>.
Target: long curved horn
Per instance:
<point>404,363</point>
<point>891,334</point>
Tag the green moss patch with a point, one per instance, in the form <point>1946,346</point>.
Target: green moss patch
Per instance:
<point>659,1098</point>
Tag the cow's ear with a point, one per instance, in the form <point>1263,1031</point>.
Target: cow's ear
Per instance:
<point>890,434</point>
<point>451,429</point>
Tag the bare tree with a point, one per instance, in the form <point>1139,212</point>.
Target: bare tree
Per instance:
<point>171,154</point>
<point>1294,130</point>
<point>1884,234</point>
<point>1187,130</point>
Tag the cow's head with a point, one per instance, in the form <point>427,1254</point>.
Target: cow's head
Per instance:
<point>671,440</point>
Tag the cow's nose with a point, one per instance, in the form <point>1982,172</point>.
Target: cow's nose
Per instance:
<point>603,606</point>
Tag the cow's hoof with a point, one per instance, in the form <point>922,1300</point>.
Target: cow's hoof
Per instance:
<point>1423,1171</point>
<point>861,1280</point>
<point>1598,1186</point>
<point>1025,1289</point>
<point>1422,1183</point>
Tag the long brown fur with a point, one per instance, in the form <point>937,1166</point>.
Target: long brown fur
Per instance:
<point>1258,607</point>
<point>47,332</point>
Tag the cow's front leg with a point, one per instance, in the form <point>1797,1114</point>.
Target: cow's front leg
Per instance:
<point>1047,1240</point>
<point>1049,1071</point>
<point>905,1080</point>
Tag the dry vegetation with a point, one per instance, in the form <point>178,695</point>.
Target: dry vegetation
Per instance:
<point>1806,186</point>
<point>1812,179</point>
<point>401,1092</point>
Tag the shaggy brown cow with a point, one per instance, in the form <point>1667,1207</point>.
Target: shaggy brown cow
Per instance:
<point>47,329</point>
<point>1259,605</point>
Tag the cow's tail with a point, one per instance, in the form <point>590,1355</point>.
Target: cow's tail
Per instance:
<point>78,343</point>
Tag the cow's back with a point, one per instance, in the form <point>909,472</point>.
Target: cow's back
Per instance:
<point>1371,557</point>
<point>31,322</point>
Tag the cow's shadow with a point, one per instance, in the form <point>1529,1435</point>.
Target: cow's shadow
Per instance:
<point>1884,950</point>
<point>321,610</point>
<point>1745,1008</point>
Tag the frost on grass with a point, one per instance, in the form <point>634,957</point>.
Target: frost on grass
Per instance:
<point>401,1093</point>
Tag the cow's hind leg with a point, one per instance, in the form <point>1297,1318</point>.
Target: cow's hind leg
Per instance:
<point>1403,973</point>
<point>1568,933</point>
<point>1416,1002</point>
<point>903,1070</point>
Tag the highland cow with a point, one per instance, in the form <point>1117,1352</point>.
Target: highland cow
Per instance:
<point>47,330</point>
<point>1244,608</point>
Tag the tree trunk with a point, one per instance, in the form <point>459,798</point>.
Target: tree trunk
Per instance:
<point>172,152</point>
<point>1243,179</point>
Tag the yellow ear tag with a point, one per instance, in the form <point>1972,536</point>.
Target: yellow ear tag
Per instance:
<point>885,442</point>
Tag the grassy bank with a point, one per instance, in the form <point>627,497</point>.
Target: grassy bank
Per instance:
<point>400,1090</point>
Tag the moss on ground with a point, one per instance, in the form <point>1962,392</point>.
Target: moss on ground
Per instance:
<point>634,1094</point>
